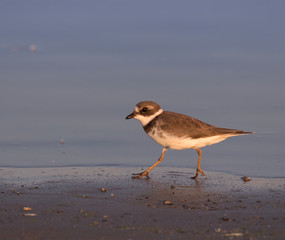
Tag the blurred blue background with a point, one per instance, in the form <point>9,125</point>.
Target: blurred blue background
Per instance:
<point>73,70</point>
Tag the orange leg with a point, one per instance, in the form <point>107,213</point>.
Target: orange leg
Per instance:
<point>198,170</point>
<point>145,173</point>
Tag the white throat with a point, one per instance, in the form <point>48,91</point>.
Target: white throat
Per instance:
<point>146,119</point>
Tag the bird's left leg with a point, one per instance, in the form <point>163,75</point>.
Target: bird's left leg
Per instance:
<point>146,172</point>
<point>198,170</point>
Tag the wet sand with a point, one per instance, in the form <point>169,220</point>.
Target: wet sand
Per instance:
<point>69,203</point>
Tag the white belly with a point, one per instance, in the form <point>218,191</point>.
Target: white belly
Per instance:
<point>185,143</point>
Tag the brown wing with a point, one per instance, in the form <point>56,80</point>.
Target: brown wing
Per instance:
<point>186,126</point>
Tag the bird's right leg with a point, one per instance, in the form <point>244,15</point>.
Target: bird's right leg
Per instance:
<point>146,172</point>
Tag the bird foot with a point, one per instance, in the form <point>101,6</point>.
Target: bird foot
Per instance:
<point>140,175</point>
<point>198,170</point>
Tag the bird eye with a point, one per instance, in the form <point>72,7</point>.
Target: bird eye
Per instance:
<point>144,110</point>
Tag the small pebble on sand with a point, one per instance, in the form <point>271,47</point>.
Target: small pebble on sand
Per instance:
<point>27,208</point>
<point>246,178</point>
<point>166,202</point>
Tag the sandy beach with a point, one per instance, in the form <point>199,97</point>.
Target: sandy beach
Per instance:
<point>105,203</point>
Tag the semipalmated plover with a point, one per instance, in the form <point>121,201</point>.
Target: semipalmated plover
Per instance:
<point>178,131</point>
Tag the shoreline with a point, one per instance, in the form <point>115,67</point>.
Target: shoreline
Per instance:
<point>118,166</point>
<point>71,203</point>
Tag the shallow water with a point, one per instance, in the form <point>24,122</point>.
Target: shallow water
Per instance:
<point>95,61</point>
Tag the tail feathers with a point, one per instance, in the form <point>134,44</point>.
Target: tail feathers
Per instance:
<point>233,131</point>
<point>240,132</point>
<point>243,132</point>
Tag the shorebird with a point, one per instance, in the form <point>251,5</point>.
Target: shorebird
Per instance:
<point>178,131</point>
